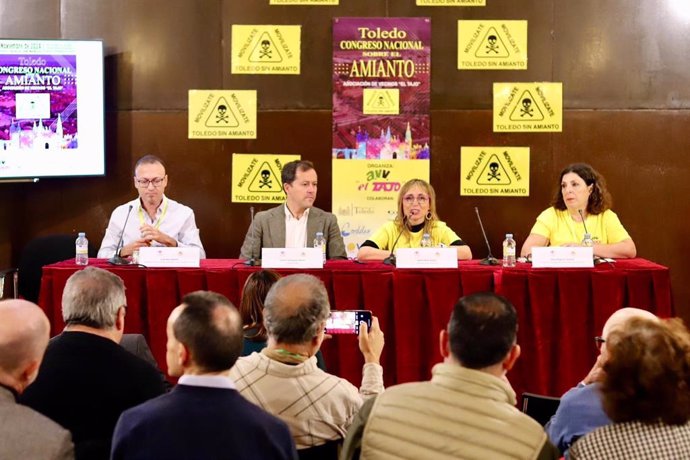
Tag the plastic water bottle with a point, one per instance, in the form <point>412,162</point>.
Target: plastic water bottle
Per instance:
<point>320,242</point>
<point>82,250</point>
<point>587,240</point>
<point>509,251</point>
<point>426,241</point>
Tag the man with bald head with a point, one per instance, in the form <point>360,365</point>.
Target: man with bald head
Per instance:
<point>204,416</point>
<point>24,433</point>
<point>580,410</point>
<point>284,378</point>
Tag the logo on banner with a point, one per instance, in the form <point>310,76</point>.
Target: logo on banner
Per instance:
<point>522,107</point>
<point>265,180</point>
<point>381,101</point>
<point>494,171</point>
<point>492,45</point>
<point>265,50</point>
<point>222,114</point>
<point>486,44</point>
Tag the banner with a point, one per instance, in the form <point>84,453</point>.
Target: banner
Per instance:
<point>499,45</point>
<point>365,194</point>
<point>222,114</point>
<point>525,107</point>
<point>381,98</point>
<point>256,177</point>
<point>266,49</point>
<point>494,171</point>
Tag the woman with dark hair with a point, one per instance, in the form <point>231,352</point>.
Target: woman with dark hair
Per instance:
<point>582,200</point>
<point>254,294</point>
<point>416,216</point>
<point>645,392</point>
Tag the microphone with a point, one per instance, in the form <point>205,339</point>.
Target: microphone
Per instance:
<point>116,259</point>
<point>390,260</point>
<point>252,262</point>
<point>582,216</point>
<point>489,259</point>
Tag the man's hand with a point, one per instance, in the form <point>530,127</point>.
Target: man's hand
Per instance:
<point>150,233</point>
<point>371,341</point>
<point>128,249</point>
<point>596,373</point>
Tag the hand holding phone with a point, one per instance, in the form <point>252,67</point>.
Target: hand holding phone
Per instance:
<point>347,321</point>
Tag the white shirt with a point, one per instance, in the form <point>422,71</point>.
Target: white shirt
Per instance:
<point>172,218</point>
<point>295,229</point>
<point>211,381</point>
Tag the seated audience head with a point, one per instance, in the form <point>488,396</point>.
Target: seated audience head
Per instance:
<point>647,373</point>
<point>482,333</point>
<point>150,179</point>
<point>618,319</point>
<point>24,332</point>
<point>94,299</point>
<point>299,184</point>
<point>252,303</point>
<point>296,310</point>
<point>581,187</point>
<point>416,203</point>
<point>204,335</point>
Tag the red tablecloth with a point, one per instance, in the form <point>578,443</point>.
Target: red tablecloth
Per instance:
<point>560,310</point>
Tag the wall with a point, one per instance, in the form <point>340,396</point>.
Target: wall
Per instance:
<point>626,95</point>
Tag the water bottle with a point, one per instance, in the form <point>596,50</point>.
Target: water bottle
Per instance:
<point>587,240</point>
<point>82,250</point>
<point>426,241</point>
<point>509,251</point>
<point>320,242</point>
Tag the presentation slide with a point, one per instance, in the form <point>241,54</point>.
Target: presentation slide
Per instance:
<point>51,109</point>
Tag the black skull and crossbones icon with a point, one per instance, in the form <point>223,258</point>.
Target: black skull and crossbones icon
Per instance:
<point>265,179</point>
<point>526,107</point>
<point>492,46</point>
<point>222,114</point>
<point>265,51</point>
<point>493,172</point>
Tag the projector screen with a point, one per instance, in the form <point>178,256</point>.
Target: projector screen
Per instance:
<point>51,108</point>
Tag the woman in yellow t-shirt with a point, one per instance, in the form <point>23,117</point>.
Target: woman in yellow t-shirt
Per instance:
<point>582,193</point>
<point>416,216</point>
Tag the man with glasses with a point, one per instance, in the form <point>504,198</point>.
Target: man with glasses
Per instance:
<point>154,219</point>
<point>580,410</point>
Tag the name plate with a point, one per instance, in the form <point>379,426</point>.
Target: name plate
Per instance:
<point>562,257</point>
<point>426,258</point>
<point>291,258</point>
<point>157,256</point>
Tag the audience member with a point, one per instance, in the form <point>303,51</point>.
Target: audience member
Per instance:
<point>24,433</point>
<point>467,410</point>
<point>204,416</point>
<point>284,379</point>
<point>646,393</point>
<point>580,410</point>
<point>86,379</point>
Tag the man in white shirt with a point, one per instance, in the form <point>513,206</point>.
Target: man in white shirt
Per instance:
<point>295,223</point>
<point>154,219</point>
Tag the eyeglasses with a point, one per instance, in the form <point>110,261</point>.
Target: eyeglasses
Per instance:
<point>144,183</point>
<point>421,199</point>
<point>598,340</point>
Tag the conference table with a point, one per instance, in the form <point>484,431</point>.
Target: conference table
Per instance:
<point>560,310</point>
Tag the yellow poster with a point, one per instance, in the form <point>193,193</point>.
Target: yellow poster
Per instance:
<point>494,171</point>
<point>256,177</point>
<point>451,2</point>
<point>222,114</point>
<point>303,2</point>
<point>266,49</point>
<point>528,107</point>
<point>365,194</point>
<point>498,45</point>
<point>383,101</point>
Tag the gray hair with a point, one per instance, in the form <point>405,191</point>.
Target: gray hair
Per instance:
<point>92,298</point>
<point>295,308</point>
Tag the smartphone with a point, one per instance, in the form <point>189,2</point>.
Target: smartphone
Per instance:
<point>347,321</point>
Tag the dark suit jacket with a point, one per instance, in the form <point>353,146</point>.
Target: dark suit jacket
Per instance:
<point>268,231</point>
<point>26,434</point>
<point>201,422</point>
<point>85,382</point>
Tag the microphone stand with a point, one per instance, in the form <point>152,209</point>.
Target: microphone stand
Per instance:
<point>116,259</point>
<point>252,262</point>
<point>390,260</point>
<point>489,259</point>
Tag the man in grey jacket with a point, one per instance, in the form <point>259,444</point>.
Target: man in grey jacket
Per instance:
<point>24,433</point>
<point>295,223</point>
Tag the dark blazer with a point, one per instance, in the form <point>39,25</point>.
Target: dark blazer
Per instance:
<point>268,231</point>
<point>201,422</point>
<point>85,382</point>
<point>26,434</point>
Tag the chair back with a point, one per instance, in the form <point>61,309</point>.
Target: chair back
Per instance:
<point>540,407</point>
<point>328,451</point>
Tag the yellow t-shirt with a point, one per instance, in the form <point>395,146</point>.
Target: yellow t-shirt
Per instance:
<point>561,229</point>
<point>385,236</point>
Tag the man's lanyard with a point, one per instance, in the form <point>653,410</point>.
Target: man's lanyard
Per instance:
<point>158,222</point>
